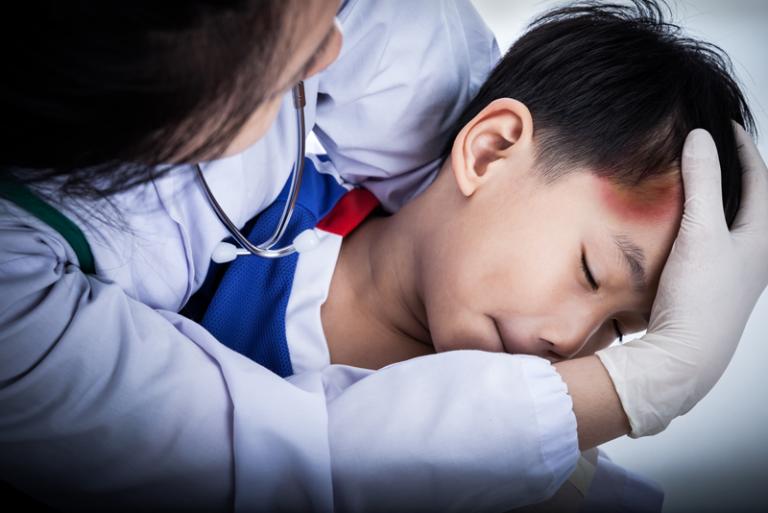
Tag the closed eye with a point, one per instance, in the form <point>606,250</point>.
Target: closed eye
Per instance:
<point>588,273</point>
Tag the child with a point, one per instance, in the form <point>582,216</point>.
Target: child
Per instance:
<point>545,231</point>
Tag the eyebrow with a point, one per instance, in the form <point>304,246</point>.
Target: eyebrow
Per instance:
<point>634,257</point>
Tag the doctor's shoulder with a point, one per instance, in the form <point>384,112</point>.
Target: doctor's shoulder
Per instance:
<point>25,239</point>
<point>33,256</point>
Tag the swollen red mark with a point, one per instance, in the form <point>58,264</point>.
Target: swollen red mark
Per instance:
<point>652,201</point>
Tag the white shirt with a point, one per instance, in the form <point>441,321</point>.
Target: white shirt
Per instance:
<point>109,396</point>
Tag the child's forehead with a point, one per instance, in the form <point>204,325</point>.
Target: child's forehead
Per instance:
<point>655,199</point>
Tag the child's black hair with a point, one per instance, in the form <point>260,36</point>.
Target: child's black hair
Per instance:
<point>616,89</point>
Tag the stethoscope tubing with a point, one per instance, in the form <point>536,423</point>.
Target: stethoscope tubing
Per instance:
<point>265,249</point>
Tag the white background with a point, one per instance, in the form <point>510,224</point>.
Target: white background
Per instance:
<point>715,458</point>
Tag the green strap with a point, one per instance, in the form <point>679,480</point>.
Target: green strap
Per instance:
<point>23,197</point>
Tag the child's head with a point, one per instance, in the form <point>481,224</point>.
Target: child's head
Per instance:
<point>564,174</point>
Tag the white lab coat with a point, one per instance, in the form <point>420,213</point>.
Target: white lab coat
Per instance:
<point>109,396</point>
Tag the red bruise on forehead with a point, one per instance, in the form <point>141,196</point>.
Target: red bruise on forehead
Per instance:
<point>654,200</point>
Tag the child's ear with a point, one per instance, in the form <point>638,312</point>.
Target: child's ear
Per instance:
<point>489,138</point>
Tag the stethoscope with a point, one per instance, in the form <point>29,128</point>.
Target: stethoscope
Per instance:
<point>305,241</point>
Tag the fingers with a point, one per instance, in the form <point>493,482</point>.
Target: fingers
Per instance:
<point>702,181</point>
<point>753,211</point>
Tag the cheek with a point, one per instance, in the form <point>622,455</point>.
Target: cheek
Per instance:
<point>330,53</point>
<point>463,284</point>
<point>526,277</point>
<point>255,128</point>
<point>455,306</point>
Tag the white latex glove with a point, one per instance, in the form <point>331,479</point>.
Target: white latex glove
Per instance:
<point>707,290</point>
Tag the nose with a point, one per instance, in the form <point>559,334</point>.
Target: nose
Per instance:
<point>566,336</point>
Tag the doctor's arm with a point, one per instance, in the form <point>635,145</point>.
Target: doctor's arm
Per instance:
<point>108,402</point>
<point>599,414</point>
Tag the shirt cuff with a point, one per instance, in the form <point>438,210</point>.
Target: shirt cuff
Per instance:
<point>558,442</point>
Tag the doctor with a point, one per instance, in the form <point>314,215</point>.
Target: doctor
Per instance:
<point>110,398</point>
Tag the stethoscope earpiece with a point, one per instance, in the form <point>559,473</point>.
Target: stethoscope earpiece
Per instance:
<point>306,241</point>
<point>225,252</point>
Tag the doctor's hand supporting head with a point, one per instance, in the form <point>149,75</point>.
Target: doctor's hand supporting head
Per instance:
<point>709,286</point>
<point>710,283</point>
<point>103,93</point>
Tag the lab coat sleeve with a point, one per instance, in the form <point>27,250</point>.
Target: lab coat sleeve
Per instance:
<point>106,401</point>
<point>458,431</point>
<point>405,73</point>
<point>108,404</point>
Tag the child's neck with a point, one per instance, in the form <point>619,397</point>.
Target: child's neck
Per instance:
<point>373,315</point>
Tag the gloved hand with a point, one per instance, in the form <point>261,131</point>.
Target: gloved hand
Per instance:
<point>708,288</point>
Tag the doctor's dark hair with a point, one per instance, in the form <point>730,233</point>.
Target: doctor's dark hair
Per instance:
<point>616,89</point>
<point>95,93</point>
